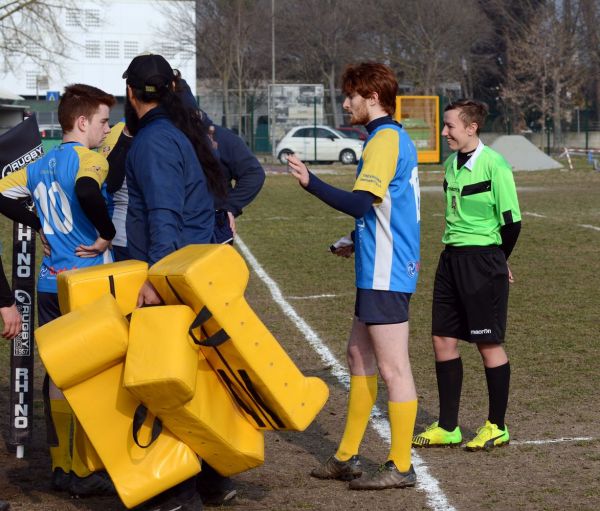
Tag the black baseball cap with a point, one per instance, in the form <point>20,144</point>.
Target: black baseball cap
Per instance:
<point>149,73</point>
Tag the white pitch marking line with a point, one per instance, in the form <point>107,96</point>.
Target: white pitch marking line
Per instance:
<point>587,226</point>
<point>554,440</point>
<point>311,297</point>
<point>435,496</point>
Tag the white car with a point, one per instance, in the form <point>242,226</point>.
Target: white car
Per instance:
<point>331,145</point>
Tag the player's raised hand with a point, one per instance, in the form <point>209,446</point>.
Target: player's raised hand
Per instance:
<point>298,169</point>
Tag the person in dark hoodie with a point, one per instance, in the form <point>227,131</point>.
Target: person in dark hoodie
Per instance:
<point>242,173</point>
<point>172,178</point>
<point>244,176</point>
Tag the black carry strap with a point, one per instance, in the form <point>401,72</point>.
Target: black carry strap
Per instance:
<point>214,340</point>
<point>139,417</point>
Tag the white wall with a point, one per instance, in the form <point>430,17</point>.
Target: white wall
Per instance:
<point>116,31</point>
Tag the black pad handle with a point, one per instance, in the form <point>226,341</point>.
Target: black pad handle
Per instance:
<point>139,417</point>
<point>214,340</point>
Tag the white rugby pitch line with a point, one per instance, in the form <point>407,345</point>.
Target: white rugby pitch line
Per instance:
<point>311,297</point>
<point>554,440</point>
<point>436,499</point>
<point>587,226</point>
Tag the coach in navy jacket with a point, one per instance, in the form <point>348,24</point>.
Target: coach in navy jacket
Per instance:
<point>239,166</point>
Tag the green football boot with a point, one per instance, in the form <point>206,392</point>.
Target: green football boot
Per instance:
<point>434,436</point>
<point>487,437</point>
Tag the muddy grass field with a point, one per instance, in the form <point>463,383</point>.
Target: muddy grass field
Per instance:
<point>553,461</point>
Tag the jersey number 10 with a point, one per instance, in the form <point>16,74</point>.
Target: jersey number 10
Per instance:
<point>51,201</point>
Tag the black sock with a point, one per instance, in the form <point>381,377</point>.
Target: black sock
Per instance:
<point>498,381</point>
<point>449,379</point>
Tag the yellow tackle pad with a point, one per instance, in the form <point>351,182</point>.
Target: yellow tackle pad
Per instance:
<point>213,426</point>
<point>85,342</point>
<point>166,372</point>
<point>162,359</point>
<point>122,280</point>
<point>263,380</point>
<point>138,473</point>
<point>83,352</point>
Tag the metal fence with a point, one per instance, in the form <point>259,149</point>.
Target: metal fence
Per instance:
<point>249,114</point>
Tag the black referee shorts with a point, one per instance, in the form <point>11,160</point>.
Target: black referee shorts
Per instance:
<point>470,294</point>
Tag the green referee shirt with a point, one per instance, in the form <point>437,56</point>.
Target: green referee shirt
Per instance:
<point>480,198</point>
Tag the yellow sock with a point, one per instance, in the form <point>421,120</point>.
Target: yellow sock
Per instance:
<point>62,416</point>
<point>363,393</point>
<point>80,444</point>
<point>402,425</point>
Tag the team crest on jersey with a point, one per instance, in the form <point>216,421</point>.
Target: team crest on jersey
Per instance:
<point>412,268</point>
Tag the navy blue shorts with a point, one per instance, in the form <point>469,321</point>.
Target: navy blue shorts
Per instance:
<point>375,307</point>
<point>120,253</point>
<point>223,232</point>
<point>48,308</point>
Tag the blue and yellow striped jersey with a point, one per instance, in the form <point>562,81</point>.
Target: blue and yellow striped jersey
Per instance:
<point>387,238</point>
<point>50,181</point>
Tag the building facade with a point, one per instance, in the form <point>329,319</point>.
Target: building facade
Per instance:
<point>104,38</point>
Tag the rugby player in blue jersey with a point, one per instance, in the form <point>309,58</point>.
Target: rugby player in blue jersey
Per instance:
<point>385,205</point>
<point>66,186</point>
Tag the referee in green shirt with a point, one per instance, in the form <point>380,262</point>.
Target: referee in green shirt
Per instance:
<point>470,295</point>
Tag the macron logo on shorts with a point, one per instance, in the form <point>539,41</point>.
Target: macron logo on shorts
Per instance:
<point>481,332</point>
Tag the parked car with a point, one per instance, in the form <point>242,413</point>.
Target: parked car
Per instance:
<point>353,132</point>
<point>331,145</point>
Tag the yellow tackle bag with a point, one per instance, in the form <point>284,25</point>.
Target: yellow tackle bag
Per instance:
<point>122,280</point>
<point>77,288</point>
<point>166,372</point>
<point>83,351</point>
<point>262,379</point>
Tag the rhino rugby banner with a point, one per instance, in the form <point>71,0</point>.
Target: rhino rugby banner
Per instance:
<point>18,148</point>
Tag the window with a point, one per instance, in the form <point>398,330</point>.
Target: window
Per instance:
<point>304,132</point>
<point>169,50</point>
<point>112,50</point>
<point>92,49</point>
<point>92,18</point>
<point>30,79</point>
<point>34,50</point>
<point>12,47</point>
<point>130,49</point>
<point>187,52</point>
<point>73,17</point>
<point>34,80</point>
<point>323,133</point>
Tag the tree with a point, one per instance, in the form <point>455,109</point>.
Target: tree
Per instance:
<point>318,49</point>
<point>429,42</point>
<point>544,66</point>
<point>22,24</point>
<point>229,42</point>
<point>591,52</point>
